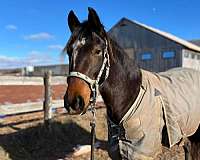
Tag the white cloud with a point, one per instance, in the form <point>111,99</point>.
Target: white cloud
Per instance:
<point>11,27</point>
<point>36,57</point>
<point>56,47</point>
<point>33,58</point>
<point>6,59</point>
<point>9,62</point>
<point>39,36</point>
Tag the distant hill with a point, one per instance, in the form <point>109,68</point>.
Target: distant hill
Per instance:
<point>197,42</point>
<point>14,71</point>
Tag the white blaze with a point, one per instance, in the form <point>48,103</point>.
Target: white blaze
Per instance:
<point>76,45</point>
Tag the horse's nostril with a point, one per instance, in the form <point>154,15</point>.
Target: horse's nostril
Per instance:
<point>79,103</point>
<point>66,103</point>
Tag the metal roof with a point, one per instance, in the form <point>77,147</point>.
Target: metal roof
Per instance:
<point>164,34</point>
<point>196,42</point>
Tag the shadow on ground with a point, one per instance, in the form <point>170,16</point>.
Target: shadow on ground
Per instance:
<point>40,143</point>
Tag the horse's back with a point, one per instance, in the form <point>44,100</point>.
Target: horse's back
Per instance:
<point>181,86</point>
<point>182,75</point>
<point>179,91</point>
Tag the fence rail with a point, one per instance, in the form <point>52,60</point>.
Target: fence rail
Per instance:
<point>14,109</point>
<point>47,105</point>
<point>19,80</point>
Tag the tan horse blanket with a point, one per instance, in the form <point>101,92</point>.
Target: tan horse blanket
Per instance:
<point>170,99</point>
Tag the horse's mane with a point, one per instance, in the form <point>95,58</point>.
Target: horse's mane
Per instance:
<point>121,55</point>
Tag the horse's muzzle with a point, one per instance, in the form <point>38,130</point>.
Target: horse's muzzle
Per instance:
<point>77,104</point>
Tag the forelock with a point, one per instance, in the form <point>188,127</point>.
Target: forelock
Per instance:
<point>84,31</point>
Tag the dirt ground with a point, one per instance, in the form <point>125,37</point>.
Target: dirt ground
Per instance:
<point>28,93</point>
<point>24,137</point>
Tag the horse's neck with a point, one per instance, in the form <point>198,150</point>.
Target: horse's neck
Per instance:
<point>121,88</point>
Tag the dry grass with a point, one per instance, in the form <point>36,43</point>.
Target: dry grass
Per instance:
<point>33,141</point>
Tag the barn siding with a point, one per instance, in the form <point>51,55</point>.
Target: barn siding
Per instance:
<point>131,35</point>
<point>136,40</point>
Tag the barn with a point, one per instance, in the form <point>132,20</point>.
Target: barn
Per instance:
<point>153,49</point>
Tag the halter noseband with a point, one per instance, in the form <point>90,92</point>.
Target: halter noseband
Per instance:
<point>94,84</point>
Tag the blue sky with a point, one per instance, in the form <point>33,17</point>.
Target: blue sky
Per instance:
<point>33,32</point>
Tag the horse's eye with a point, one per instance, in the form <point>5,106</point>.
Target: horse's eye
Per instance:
<point>98,52</point>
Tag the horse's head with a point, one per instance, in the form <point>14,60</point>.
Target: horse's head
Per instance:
<point>88,60</point>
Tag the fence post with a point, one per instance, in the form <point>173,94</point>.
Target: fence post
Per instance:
<point>47,98</point>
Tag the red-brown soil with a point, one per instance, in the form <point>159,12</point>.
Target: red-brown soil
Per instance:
<point>28,93</point>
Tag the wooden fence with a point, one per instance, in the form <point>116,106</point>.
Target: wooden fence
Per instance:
<point>47,106</point>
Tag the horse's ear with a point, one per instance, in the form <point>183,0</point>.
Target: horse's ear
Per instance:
<point>73,21</point>
<point>94,21</point>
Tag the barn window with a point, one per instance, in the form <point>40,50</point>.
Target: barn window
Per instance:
<point>168,54</point>
<point>186,55</point>
<point>193,56</point>
<point>146,56</point>
<point>198,56</point>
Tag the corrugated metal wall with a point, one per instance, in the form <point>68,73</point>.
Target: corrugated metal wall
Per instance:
<point>190,59</point>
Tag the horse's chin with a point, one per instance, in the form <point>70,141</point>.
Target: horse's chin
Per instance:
<point>84,110</point>
<point>77,112</point>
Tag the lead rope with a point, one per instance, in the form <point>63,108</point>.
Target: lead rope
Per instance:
<point>93,121</point>
<point>95,89</point>
<point>93,134</point>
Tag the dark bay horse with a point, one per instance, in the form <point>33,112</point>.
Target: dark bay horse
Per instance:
<point>141,116</point>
